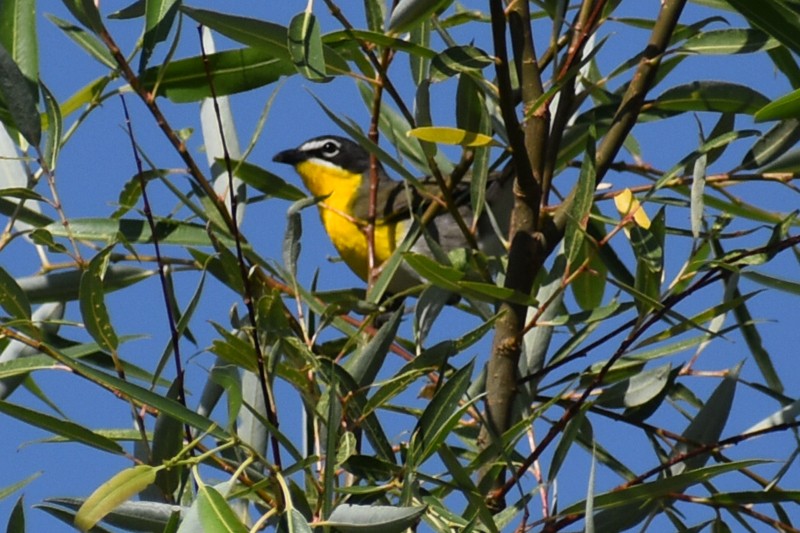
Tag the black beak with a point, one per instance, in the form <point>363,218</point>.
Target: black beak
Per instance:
<point>290,157</point>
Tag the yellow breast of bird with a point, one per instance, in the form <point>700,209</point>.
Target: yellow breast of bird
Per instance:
<point>347,233</point>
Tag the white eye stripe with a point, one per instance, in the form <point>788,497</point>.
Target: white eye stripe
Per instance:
<point>317,144</point>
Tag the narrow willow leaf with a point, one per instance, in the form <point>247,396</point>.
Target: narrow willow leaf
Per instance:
<point>305,46</point>
<point>20,97</point>
<point>697,195</point>
<point>87,13</point>
<point>293,521</point>
<point>458,60</point>
<point>159,17</point>
<point>774,282</point>
<point>272,38</point>
<point>64,428</point>
<point>63,286</point>
<point>12,297</point>
<point>729,41</point>
<point>778,19</point>
<point>638,389</point>
<point>52,145</point>
<point>93,307</point>
<point>130,516</point>
<point>265,181</point>
<point>429,304</point>
<point>168,434</point>
<point>707,425</point>
<point>655,490</point>
<point>440,416</point>
<point>136,231</point>
<point>408,13</point>
<point>419,35</point>
<point>443,135</point>
<point>581,205</point>
<point>589,286</point>
<point>13,369</point>
<point>773,144</point>
<point>85,40</point>
<point>11,489</point>
<point>233,71</point>
<point>718,96</point>
<point>215,513</point>
<point>364,365</point>
<point>19,37</point>
<point>786,415</point>
<point>350,518</point>
<point>16,521</point>
<point>470,104</point>
<point>566,443</point>
<point>112,493</point>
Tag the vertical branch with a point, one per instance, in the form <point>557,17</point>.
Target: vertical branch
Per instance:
<point>528,247</point>
<point>642,81</point>
<point>369,230</point>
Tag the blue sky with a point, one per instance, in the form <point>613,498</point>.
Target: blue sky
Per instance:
<point>97,161</point>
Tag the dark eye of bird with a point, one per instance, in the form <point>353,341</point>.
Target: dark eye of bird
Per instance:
<point>330,149</point>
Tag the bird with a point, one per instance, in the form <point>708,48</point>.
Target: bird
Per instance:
<point>336,170</point>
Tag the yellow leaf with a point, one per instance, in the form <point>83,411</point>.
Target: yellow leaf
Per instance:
<point>112,493</point>
<point>627,204</point>
<point>451,136</point>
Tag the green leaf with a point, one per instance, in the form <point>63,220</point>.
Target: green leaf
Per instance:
<point>159,17</point>
<point>659,489</point>
<point>365,364</point>
<point>20,97</point>
<point>54,127</point>
<point>305,47</point>
<point>12,298</point>
<point>92,301</point>
<point>589,286</point>
<point>776,17</point>
<point>470,104</point>
<point>638,389</point>
<point>18,36</point>
<point>729,41</point>
<point>64,428</point>
<point>87,13</point>
<point>63,286</point>
<point>215,513</point>
<point>129,515</point>
<point>459,59</point>
<point>16,522</point>
<point>112,493</point>
<point>785,107</point>
<point>233,71</point>
<point>707,425</point>
<point>440,416</point>
<point>719,96</point>
<point>350,518</point>
<point>772,144</point>
<point>168,434</point>
<point>85,40</point>
<point>136,231</point>
<point>267,36</point>
<point>265,181</point>
<point>408,13</point>
<point>11,489</point>
<point>578,212</point>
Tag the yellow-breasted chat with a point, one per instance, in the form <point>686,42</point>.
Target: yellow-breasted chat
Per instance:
<point>337,169</point>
